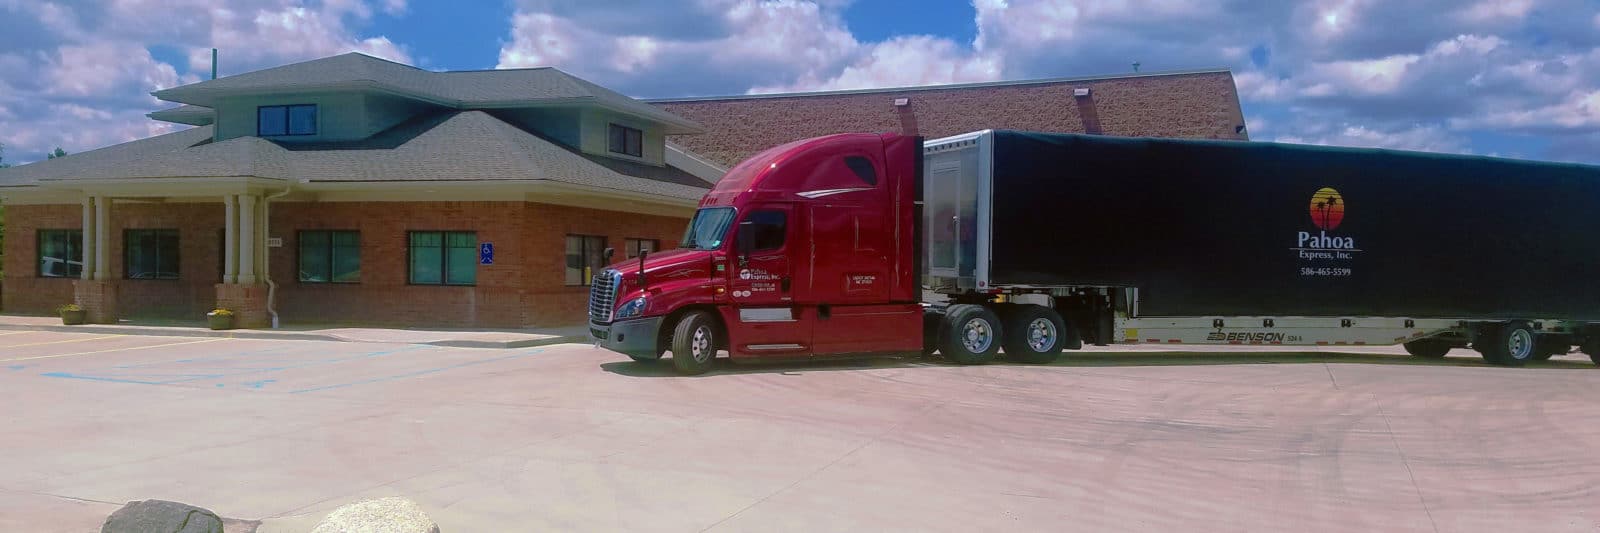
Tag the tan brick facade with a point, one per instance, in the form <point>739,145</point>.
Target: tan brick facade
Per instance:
<point>1201,105</point>
<point>524,287</point>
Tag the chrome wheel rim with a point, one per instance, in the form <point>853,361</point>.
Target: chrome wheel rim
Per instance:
<point>977,335</point>
<point>1520,344</point>
<point>1041,334</point>
<point>700,345</point>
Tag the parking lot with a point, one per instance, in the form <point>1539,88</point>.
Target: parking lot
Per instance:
<point>567,437</point>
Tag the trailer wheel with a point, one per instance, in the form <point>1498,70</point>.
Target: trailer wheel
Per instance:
<point>1036,334</point>
<point>1510,344</point>
<point>1551,346</point>
<point>971,334</point>
<point>1428,348</point>
<point>694,343</point>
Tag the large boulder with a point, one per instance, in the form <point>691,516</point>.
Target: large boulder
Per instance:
<point>383,515</point>
<point>161,516</point>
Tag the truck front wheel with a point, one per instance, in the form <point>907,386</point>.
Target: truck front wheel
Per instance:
<point>971,334</point>
<point>1037,334</point>
<point>694,343</point>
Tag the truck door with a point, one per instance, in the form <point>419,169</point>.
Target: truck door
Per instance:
<point>766,320</point>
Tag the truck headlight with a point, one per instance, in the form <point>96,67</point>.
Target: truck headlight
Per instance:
<point>631,309</point>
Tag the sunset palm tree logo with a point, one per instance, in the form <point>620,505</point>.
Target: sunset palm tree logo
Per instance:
<point>1327,209</point>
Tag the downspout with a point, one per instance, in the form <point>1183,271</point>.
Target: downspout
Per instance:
<point>266,257</point>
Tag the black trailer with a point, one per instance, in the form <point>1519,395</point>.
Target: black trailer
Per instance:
<point>1195,241</point>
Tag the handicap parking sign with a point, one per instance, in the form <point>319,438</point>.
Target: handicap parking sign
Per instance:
<point>486,253</point>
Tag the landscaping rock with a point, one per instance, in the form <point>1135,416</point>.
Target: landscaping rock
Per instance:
<point>383,515</point>
<point>160,516</point>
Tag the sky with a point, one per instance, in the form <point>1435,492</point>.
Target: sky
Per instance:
<point>1511,78</point>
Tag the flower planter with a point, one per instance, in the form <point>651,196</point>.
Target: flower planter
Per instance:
<point>219,321</point>
<point>73,318</point>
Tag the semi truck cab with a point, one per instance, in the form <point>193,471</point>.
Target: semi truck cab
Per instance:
<point>804,250</point>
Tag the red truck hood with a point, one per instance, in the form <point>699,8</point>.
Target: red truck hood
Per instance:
<point>665,267</point>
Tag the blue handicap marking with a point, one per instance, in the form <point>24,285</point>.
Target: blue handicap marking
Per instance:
<point>486,253</point>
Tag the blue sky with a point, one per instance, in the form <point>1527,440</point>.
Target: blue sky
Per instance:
<point>1517,78</point>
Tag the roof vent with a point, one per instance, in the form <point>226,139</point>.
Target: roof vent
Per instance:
<point>902,102</point>
<point>1084,91</point>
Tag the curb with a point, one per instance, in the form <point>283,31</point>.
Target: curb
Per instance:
<point>261,335</point>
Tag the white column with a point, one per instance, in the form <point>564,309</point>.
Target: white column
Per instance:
<point>230,239</point>
<point>88,238</point>
<point>102,236</point>
<point>247,239</point>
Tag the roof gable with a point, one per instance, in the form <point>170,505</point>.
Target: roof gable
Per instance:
<point>475,89</point>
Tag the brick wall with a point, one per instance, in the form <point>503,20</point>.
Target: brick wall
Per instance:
<point>1200,105</point>
<point>194,293</point>
<point>524,287</point>
<point>23,291</point>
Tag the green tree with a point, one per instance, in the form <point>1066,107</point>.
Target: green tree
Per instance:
<point>3,156</point>
<point>58,153</point>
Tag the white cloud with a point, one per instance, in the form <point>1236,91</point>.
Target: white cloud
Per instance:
<point>85,77</point>
<point>1496,10</point>
<point>899,62</point>
<point>1428,138</point>
<point>1579,110</point>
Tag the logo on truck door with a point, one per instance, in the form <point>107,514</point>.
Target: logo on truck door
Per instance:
<point>1323,253</point>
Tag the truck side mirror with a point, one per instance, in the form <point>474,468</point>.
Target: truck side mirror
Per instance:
<point>745,240</point>
<point>606,255</point>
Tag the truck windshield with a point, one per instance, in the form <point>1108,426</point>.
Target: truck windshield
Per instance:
<point>707,228</point>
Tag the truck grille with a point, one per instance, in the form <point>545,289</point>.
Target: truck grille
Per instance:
<point>603,295</point>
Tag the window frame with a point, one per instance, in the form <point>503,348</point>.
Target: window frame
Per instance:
<point>444,258</point>
<point>583,281</point>
<point>783,215</point>
<point>288,130</point>
<point>632,140</point>
<point>38,252</point>
<point>299,250</point>
<point>629,248</point>
<point>127,251</point>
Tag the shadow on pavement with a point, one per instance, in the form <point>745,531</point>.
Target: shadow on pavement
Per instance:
<point>663,367</point>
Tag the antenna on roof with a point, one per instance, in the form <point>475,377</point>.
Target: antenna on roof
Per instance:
<point>213,63</point>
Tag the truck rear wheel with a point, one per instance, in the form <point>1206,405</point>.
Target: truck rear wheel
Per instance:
<point>1510,344</point>
<point>694,343</point>
<point>970,334</point>
<point>1428,348</point>
<point>1036,334</point>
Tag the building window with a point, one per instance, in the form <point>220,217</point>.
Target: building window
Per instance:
<point>444,258</point>
<point>584,258</point>
<point>277,120</point>
<point>60,253</point>
<point>627,141</point>
<point>150,253</point>
<point>637,247</point>
<point>330,256</point>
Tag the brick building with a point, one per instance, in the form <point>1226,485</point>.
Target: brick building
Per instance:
<point>353,189</point>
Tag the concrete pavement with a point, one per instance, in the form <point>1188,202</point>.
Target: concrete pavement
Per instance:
<point>570,438</point>
<point>463,338</point>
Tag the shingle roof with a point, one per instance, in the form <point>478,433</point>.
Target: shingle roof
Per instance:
<point>451,146</point>
<point>103,160</point>
<point>473,89</point>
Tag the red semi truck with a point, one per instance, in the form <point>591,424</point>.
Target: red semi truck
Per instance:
<point>863,244</point>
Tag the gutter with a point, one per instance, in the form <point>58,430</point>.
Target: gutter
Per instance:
<point>266,263</point>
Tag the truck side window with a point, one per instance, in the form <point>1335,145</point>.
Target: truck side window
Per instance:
<point>769,229</point>
<point>863,168</point>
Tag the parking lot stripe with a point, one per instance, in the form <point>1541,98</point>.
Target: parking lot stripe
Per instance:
<point>61,342</point>
<point>112,350</point>
<point>16,333</point>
